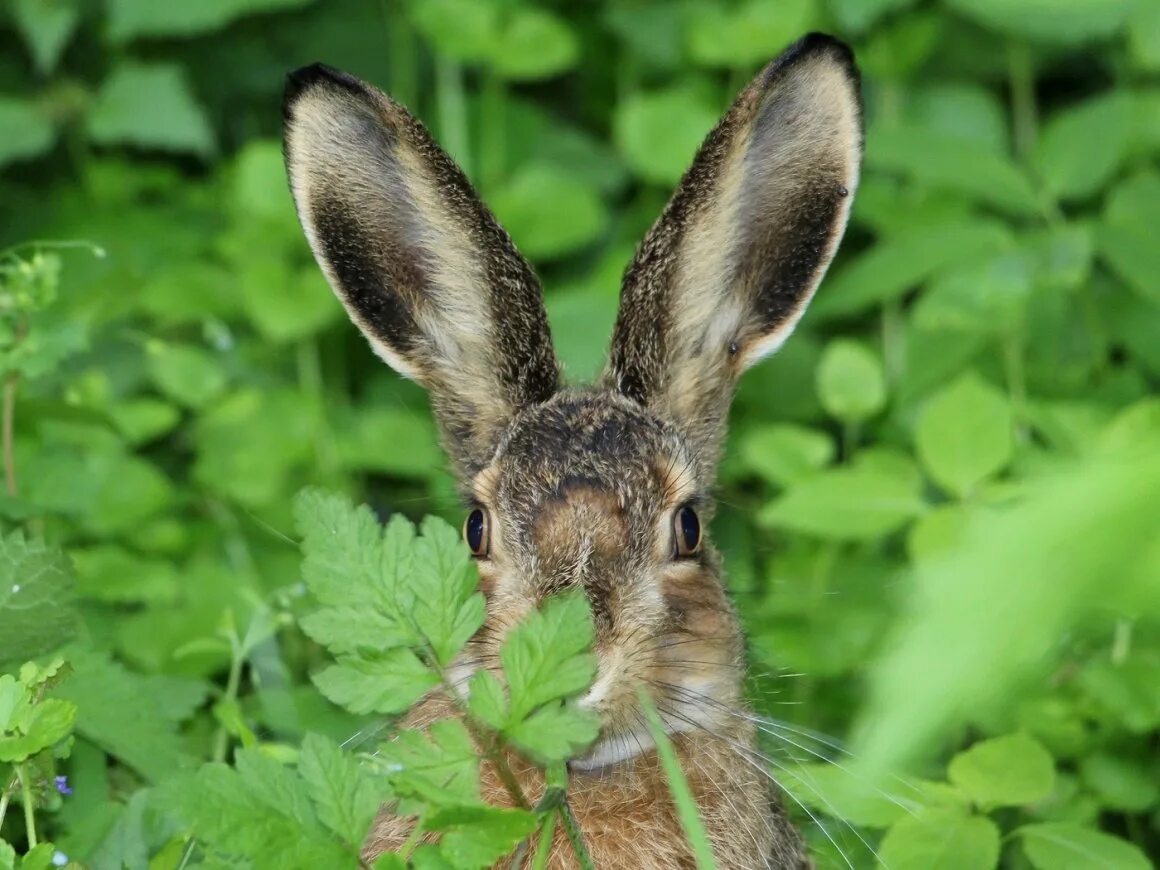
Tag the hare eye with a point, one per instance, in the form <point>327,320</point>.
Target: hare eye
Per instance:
<point>686,532</point>
<point>477,532</point>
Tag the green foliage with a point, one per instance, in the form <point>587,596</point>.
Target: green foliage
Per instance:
<point>938,504</point>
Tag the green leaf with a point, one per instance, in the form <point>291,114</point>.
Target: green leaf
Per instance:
<point>746,34</point>
<point>47,26</point>
<point>36,598</point>
<point>39,727</point>
<point>150,106</point>
<point>785,454</point>
<point>186,374</point>
<point>555,732</point>
<point>39,857</point>
<point>115,575</point>
<point>944,161</point>
<point>14,702</point>
<point>846,503</point>
<point>943,838</point>
<point>1003,772</point>
<point>487,701</point>
<point>534,44</point>
<point>658,132</point>
<point>1125,238</point>
<point>985,298</point>
<point>1067,846</point>
<point>136,19</point>
<point>478,836</point>
<point>346,797</point>
<point>465,30</point>
<point>547,655</point>
<point>389,684</point>
<point>362,437</point>
<point>851,383</point>
<point>856,16</point>
<point>447,610</point>
<point>965,434</point>
<point>1126,784</point>
<point>894,266</point>
<point>548,212</point>
<point>1083,145</point>
<point>27,130</point>
<point>1144,36</point>
<point>844,793</point>
<point>7,856</point>
<point>1071,22</point>
<point>145,419</point>
<point>440,765</point>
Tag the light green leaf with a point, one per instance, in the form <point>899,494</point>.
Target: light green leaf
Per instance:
<point>7,856</point>
<point>487,700</point>
<point>943,838</point>
<point>1144,36</point>
<point>345,795</point>
<point>439,765</point>
<point>36,598</point>
<point>856,16</point>
<point>555,732</point>
<point>389,684</point>
<point>1067,846</point>
<point>185,373</point>
<point>965,434</point>
<point>365,435</point>
<point>548,212</point>
<point>534,44</point>
<point>47,26</point>
<point>150,106</point>
<point>14,701</point>
<point>478,836</point>
<point>749,33</point>
<point>986,298</point>
<point>851,383</point>
<point>38,727</point>
<point>135,19</point>
<point>27,130</point>
<point>1003,772</point>
<point>1083,145</point>
<point>1073,22</point>
<point>841,791</point>
<point>464,30</point>
<point>785,454</point>
<point>846,503</point>
<point>113,574</point>
<point>285,303</point>
<point>658,132</point>
<point>1122,783</point>
<point>1126,238</point>
<point>547,655</point>
<point>144,419</point>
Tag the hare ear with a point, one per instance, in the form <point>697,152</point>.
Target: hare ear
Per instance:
<point>727,270</point>
<point>421,265</point>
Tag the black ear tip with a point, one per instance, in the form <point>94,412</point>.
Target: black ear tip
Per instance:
<point>817,44</point>
<point>304,78</point>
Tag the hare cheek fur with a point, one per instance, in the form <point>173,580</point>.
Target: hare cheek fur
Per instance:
<point>582,485</point>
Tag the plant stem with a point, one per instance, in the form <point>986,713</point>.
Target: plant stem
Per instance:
<point>29,801</point>
<point>544,845</point>
<point>1016,383</point>
<point>233,681</point>
<point>492,132</point>
<point>8,425</point>
<point>1021,73</point>
<point>5,797</point>
<point>575,837</point>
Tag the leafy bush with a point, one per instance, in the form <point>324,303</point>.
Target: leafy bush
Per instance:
<point>939,504</point>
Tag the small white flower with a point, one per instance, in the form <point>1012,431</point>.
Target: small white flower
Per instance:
<point>59,859</point>
<point>15,588</point>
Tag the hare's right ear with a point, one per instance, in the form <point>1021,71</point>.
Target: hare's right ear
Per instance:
<point>728,268</point>
<point>420,264</point>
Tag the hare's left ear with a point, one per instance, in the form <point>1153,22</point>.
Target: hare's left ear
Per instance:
<point>726,272</point>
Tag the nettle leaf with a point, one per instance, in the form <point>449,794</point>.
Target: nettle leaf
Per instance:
<point>533,44</point>
<point>478,836</point>
<point>549,212</point>
<point>389,684</point>
<point>851,383</point>
<point>1068,846</point>
<point>547,656</point>
<point>346,795</point>
<point>658,132</point>
<point>785,454</point>
<point>47,26</point>
<point>945,838</point>
<point>1083,145</point>
<point>37,590</point>
<point>150,106</point>
<point>28,132</point>
<point>965,434</point>
<point>1003,772</point>
<point>1073,22</point>
<point>847,503</point>
<point>439,765</point>
<point>135,19</point>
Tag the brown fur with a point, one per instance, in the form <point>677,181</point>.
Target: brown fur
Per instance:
<point>581,485</point>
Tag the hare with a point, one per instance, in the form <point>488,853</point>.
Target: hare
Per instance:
<point>607,487</point>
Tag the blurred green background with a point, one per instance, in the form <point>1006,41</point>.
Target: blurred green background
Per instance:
<point>940,501</point>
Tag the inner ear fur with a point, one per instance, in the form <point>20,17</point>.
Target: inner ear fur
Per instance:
<point>727,270</point>
<point>420,264</point>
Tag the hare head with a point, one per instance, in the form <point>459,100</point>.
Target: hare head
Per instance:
<point>607,487</point>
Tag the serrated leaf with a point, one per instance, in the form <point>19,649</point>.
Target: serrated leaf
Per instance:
<point>349,629</point>
<point>40,727</point>
<point>965,434</point>
<point>1068,846</point>
<point>446,608</point>
<point>850,380</point>
<point>1004,771</point>
<point>944,838</point>
<point>389,684</point>
<point>439,765</point>
<point>28,132</point>
<point>345,795</point>
<point>487,701</point>
<point>846,503</point>
<point>555,732</point>
<point>150,106</point>
<point>547,655</point>
<point>36,598</point>
<point>478,836</point>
